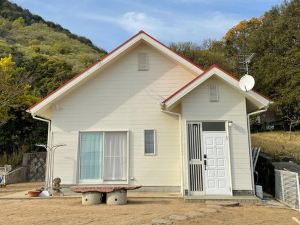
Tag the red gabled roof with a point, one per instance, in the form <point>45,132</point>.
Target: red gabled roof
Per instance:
<point>196,78</point>
<point>78,75</point>
<point>186,85</point>
<point>234,77</point>
<point>183,57</point>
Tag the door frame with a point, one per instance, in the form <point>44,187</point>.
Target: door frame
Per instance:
<point>101,180</point>
<point>202,147</point>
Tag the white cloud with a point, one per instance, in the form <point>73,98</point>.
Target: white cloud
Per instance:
<point>174,28</point>
<point>135,21</point>
<point>129,21</point>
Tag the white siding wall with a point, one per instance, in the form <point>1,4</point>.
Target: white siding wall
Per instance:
<point>231,106</point>
<point>121,97</point>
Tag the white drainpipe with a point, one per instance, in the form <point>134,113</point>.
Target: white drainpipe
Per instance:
<point>250,146</point>
<point>48,183</point>
<point>180,143</point>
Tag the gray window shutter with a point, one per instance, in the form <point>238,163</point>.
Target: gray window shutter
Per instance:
<point>143,61</point>
<point>213,93</point>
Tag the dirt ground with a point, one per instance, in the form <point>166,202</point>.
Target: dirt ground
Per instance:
<point>137,212</point>
<point>13,188</point>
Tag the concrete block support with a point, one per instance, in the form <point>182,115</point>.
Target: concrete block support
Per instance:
<point>116,197</point>
<point>91,198</point>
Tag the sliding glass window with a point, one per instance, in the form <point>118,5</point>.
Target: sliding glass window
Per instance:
<point>103,156</point>
<point>91,155</point>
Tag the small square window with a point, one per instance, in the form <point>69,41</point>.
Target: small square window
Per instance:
<point>213,126</point>
<point>213,93</point>
<point>143,61</point>
<point>149,142</point>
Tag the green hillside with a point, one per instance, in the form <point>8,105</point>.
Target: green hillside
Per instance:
<point>279,145</point>
<point>36,56</point>
<point>12,12</point>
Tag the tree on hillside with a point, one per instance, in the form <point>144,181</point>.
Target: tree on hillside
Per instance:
<point>235,40</point>
<point>12,11</point>
<point>275,38</point>
<point>36,57</point>
<point>277,63</point>
<point>13,92</point>
<point>206,55</point>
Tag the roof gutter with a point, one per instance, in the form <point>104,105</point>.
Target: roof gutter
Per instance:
<point>250,145</point>
<point>258,112</point>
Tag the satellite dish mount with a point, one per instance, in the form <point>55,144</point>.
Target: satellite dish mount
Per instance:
<point>247,82</point>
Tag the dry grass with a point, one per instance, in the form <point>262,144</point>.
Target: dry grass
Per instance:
<point>278,144</point>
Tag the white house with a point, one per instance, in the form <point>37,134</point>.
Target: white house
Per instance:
<point>145,115</point>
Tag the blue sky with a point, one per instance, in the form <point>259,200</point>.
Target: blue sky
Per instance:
<point>109,23</point>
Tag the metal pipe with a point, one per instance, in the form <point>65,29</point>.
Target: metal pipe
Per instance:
<point>48,157</point>
<point>52,152</point>
<point>50,162</point>
<point>257,112</point>
<point>250,145</point>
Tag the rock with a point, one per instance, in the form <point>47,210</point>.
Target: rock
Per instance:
<point>161,221</point>
<point>177,217</point>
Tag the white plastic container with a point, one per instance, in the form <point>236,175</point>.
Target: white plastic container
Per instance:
<point>259,191</point>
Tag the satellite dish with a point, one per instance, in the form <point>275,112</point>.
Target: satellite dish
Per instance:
<point>246,82</point>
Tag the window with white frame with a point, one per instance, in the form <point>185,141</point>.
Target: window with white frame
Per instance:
<point>103,156</point>
<point>213,93</point>
<point>149,142</point>
<point>143,61</point>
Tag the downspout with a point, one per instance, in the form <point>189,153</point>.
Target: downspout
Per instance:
<point>48,183</point>
<point>250,145</point>
<point>180,143</point>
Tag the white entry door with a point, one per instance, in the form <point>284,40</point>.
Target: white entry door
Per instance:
<point>217,170</point>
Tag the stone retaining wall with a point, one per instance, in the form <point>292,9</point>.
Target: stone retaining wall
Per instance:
<point>35,164</point>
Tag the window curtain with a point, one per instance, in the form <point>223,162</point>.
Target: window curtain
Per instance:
<point>91,151</point>
<point>115,156</point>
